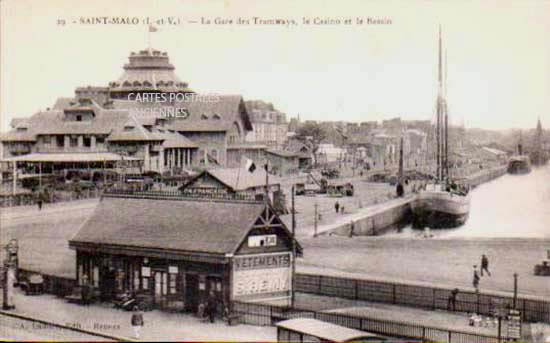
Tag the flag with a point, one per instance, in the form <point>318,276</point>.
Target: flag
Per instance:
<point>152,28</point>
<point>250,166</point>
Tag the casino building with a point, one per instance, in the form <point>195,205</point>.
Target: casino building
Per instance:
<point>99,127</point>
<point>172,251</point>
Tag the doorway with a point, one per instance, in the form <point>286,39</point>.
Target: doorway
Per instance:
<point>160,286</point>
<point>191,292</point>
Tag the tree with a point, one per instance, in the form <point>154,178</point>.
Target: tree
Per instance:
<point>311,134</point>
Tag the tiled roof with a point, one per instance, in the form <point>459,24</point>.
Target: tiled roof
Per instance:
<point>282,153</point>
<point>62,103</point>
<point>70,157</point>
<point>192,226</point>
<point>19,122</point>
<point>17,136</point>
<point>203,114</point>
<point>240,179</point>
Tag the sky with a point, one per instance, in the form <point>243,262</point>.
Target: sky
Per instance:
<point>498,55</point>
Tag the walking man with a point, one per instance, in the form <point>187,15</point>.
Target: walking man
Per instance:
<point>476,279</point>
<point>337,206</point>
<point>211,306</point>
<point>137,321</point>
<point>39,202</point>
<point>452,300</point>
<point>485,265</point>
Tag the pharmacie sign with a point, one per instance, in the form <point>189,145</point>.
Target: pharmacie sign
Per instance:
<point>261,274</point>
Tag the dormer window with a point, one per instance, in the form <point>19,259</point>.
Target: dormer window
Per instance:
<point>128,128</point>
<point>216,116</point>
<point>21,129</point>
<point>204,116</point>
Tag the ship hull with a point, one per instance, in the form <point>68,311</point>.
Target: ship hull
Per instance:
<point>440,210</point>
<point>519,165</point>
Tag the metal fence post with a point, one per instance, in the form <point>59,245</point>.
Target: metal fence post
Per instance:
<point>423,334</point>
<point>356,289</point>
<point>433,298</point>
<point>477,301</point>
<point>320,282</point>
<point>394,295</point>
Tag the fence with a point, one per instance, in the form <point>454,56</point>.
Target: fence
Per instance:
<point>179,195</point>
<point>261,314</point>
<point>28,199</point>
<point>532,310</point>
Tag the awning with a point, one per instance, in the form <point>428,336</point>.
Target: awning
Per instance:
<point>70,157</point>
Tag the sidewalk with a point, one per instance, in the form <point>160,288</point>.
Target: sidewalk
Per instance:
<point>455,321</point>
<point>159,326</point>
<point>18,211</point>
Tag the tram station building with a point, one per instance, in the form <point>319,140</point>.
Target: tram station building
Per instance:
<point>174,250</point>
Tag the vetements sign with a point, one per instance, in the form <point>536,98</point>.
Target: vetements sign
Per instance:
<point>261,274</point>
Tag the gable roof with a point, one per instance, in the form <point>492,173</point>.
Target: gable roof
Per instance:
<point>183,225</point>
<point>238,179</point>
<point>221,110</point>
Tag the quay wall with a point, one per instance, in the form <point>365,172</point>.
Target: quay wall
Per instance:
<point>396,213</point>
<point>381,219</point>
<point>486,176</point>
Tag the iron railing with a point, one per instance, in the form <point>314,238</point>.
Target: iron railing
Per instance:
<point>434,298</point>
<point>269,315</point>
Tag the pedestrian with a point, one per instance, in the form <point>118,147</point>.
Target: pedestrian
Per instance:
<point>452,300</point>
<point>39,202</point>
<point>342,209</point>
<point>211,306</point>
<point>137,321</point>
<point>351,228</point>
<point>337,206</point>
<point>476,279</point>
<point>485,264</point>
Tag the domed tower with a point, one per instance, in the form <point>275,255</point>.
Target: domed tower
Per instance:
<point>149,71</point>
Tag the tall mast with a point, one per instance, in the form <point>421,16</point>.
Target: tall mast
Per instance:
<point>446,109</point>
<point>438,110</point>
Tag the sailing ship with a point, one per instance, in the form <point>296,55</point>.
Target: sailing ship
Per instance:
<point>538,156</point>
<point>443,203</point>
<point>520,163</point>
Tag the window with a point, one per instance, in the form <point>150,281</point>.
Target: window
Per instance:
<point>79,118</point>
<point>87,142</point>
<point>204,116</point>
<point>47,139</point>
<point>173,278</point>
<point>136,279</point>
<point>100,140</point>
<point>74,141</point>
<point>60,140</point>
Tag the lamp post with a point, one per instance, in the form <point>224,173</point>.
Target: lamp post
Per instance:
<point>515,289</point>
<point>315,220</point>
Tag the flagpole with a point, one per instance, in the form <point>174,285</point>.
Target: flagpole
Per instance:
<point>266,188</point>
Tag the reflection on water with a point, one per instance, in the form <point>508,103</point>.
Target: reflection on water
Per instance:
<point>511,206</point>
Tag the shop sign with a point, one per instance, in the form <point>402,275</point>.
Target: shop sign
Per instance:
<point>262,241</point>
<point>261,274</point>
<point>146,271</point>
<point>172,269</point>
